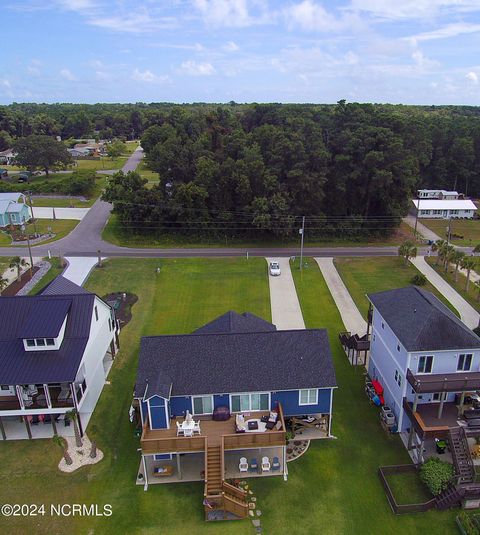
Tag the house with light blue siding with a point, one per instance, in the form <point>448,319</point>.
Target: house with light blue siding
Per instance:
<point>13,209</point>
<point>428,363</point>
<point>216,404</point>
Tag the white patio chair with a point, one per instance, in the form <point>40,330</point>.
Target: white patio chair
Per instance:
<point>196,428</point>
<point>188,432</point>
<point>265,464</point>
<point>180,431</point>
<point>243,465</point>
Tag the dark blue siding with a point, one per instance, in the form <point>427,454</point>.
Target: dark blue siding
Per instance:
<point>222,400</point>
<point>163,457</point>
<point>157,412</point>
<point>179,405</point>
<point>291,407</point>
<point>144,405</point>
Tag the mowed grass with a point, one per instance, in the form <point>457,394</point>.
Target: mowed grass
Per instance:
<point>472,296</point>
<point>469,229</point>
<point>59,227</point>
<point>60,202</point>
<point>363,275</point>
<point>100,164</point>
<point>334,488</point>
<point>186,294</point>
<point>54,271</point>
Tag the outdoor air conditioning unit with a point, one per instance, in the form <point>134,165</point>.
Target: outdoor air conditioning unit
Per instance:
<point>388,418</point>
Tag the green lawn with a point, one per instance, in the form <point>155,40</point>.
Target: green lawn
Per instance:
<point>407,488</point>
<point>152,177</point>
<point>59,227</point>
<point>363,275</point>
<point>335,485</point>
<point>5,239</point>
<point>101,163</point>
<point>115,233</point>
<point>468,229</point>
<point>55,270</point>
<point>61,202</point>
<point>4,262</point>
<point>186,294</point>
<point>471,296</point>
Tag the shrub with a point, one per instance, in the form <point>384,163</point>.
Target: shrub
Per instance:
<point>419,280</point>
<point>436,475</point>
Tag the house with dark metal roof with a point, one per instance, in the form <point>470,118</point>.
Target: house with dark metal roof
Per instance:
<point>56,349</point>
<point>427,362</point>
<point>216,404</point>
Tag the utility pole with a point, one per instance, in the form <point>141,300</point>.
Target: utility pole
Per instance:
<point>29,250</point>
<point>30,204</point>
<point>416,219</point>
<point>302,232</point>
<point>449,229</point>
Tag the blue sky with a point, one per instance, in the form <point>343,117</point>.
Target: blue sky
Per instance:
<point>399,51</point>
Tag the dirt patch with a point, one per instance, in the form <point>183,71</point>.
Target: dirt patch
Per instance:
<point>122,303</point>
<point>17,285</point>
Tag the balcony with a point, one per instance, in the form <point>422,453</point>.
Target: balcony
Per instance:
<point>59,395</point>
<point>426,422</point>
<point>167,441</point>
<point>444,382</point>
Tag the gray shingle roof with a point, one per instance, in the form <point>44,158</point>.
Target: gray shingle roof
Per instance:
<point>232,322</point>
<point>18,366</point>
<point>195,364</point>
<point>421,322</point>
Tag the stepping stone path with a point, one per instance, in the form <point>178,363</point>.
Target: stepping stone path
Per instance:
<point>296,448</point>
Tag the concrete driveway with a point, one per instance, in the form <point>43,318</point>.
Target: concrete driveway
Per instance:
<point>352,319</point>
<point>468,314</point>
<point>286,312</point>
<point>421,228</point>
<point>46,212</point>
<point>79,268</point>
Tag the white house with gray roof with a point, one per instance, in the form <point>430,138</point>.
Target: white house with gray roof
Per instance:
<point>426,360</point>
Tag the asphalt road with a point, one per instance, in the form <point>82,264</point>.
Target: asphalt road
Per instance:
<point>85,240</point>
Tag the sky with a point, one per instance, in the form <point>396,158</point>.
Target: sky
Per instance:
<point>397,51</point>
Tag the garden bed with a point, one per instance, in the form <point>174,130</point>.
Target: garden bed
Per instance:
<point>122,303</point>
<point>13,288</point>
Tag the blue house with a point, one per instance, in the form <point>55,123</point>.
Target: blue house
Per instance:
<point>13,209</point>
<point>216,404</point>
<point>428,363</point>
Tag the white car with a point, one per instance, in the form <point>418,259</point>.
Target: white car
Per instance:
<point>274,269</point>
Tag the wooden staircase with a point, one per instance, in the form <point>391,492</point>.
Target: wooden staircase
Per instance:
<point>462,460</point>
<point>450,497</point>
<point>213,471</point>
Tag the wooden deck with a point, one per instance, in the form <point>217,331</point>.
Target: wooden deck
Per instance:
<point>167,441</point>
<point>426,422</point>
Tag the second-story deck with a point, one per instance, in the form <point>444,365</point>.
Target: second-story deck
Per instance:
<point>167,441</point>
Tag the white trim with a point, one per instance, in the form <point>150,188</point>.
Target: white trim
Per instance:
<point>431,372</point>
<point>149,415</point>
<point>471,362</point>
<point>141,411</point>
<point>201,397</point>
<point>167,415</point>
<point>309,390</point>
<point>331,414</point>
<point>269,394</point>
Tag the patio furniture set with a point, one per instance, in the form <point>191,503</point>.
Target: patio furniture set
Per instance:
<point>31,390</point>
<point>253,467</point>
<point>188,427</point>
<point>257,425</point>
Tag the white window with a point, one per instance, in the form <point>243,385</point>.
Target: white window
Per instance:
<point>464,362</point>
<point>308,396</point>
<point>425,364</point>
<point>40,341</point>
<point>256,401</point>
<point>398,378</point>
<point>203,405</point>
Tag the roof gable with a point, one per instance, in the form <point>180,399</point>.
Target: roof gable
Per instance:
<point>232,322</point>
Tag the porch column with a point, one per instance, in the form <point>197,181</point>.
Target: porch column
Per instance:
<point>460,406</point>
<point>112,349</point>
<point>421,459</point>
<point>145,474</point>
<point>179,466</point>
<point>54,425</point>
<point>27,425</point>
<point>284,460</point>
<point>410,438</point>
<point>440,406</point>
<point>415,402</point>
<point>2,429</point>
<point>46,391</point>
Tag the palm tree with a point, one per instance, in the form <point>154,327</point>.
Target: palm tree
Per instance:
<point>407,250</point>
<point>59,441</point>
<point>3,284</point>
<point>456,257</point>
<point>18,263</point>
<point>73,416</point>
<point>445,252</point>
<point>437,247</point>
<point>93,450</point>
<point>468,263</point>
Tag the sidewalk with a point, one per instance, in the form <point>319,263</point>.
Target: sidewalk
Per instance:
<point>352,319</point>
<point>421,228</point>
<point>468,314</point>
<point>286,312</point>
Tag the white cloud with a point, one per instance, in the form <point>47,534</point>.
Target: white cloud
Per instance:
<point>68,75</point>
<point>412,9</point>
<point>102,75</point>
<point>230,46</point>
<point>77,5</point>
<point>147,76</point>
<point>450,30</point>
<point>135,22</point>
<point>472,77</point>
<point>234,13</point>
<point>193,68</point>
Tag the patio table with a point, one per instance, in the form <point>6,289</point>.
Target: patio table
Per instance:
<point>262,426</point>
